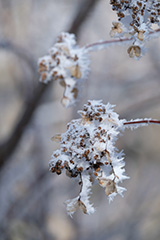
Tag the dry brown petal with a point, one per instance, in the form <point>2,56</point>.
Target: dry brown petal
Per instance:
<point>42,68</point>
<point>110,187</point>
<point>91,178</point>
<point>82,206</point>
<point>103,182</point>
<point>140,35</point>
<point>43,76</point>
<point>75,92</point>
<point>56,138</point>
<point>85,119</point>
<point>75,71</point>
<point>134,51</point>
<point>65,50</point>
<point>62,83</point>
<point>117,28</point>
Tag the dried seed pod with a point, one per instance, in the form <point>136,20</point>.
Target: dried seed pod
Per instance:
<point>82,206</point>
<point>103,181</point>
<point>75,71</point>
<point>110,187</point>
<point>140,35</point>
<point>75,92</point>
<point>56,138</point>
<point>134,51</point>
<point>58,171</point>
<point>117,28</point>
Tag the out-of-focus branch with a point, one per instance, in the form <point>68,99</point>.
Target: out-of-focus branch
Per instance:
<point>19,207</point>
<point>8,46</point>
<point>7,147</point>
<point>82,12</point>
<point>136,108</point>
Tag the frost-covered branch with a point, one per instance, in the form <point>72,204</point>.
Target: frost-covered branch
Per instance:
<point>70,64</point>
<point>136,19</point>
<point>88,152</point>
<point>103,44</point>
<point>87,149</point>
<point>142,122</point>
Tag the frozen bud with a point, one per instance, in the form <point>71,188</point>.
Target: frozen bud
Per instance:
<point>134,51</point>
<point>67,63</point>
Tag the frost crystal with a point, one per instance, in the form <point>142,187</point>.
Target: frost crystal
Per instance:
<point>136,19</point>
<point>68,63</point>
<point>88,153</point>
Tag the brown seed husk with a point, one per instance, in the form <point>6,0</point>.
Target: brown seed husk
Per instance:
<point>75,71</point>
<point>82,206</point>
<point>134,51</point>
<point>56,138</point>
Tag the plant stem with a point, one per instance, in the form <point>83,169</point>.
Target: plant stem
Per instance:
<point>106,43</point>
<point>149,121</point>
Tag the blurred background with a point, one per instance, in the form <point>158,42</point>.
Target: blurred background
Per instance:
<point>31,198</point>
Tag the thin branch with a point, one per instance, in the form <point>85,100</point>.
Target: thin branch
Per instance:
<point>107,43</point>
<point>146,121</point>
<point>8,146</point>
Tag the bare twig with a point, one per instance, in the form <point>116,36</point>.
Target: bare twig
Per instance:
<point>8,46</point>
<point>8,146</point>
<point>146,121</point>
<point>107,43</point>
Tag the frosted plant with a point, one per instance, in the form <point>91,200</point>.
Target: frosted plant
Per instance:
<point>87,149</point>
<point>68,63</point>
<point>136,19</point>
<point>88,153</point>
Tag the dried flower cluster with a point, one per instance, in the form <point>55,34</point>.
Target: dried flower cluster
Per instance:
<point>136,19</point>
<point>87,149</point>
<point>88,153</point>
<point>67,63</point>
